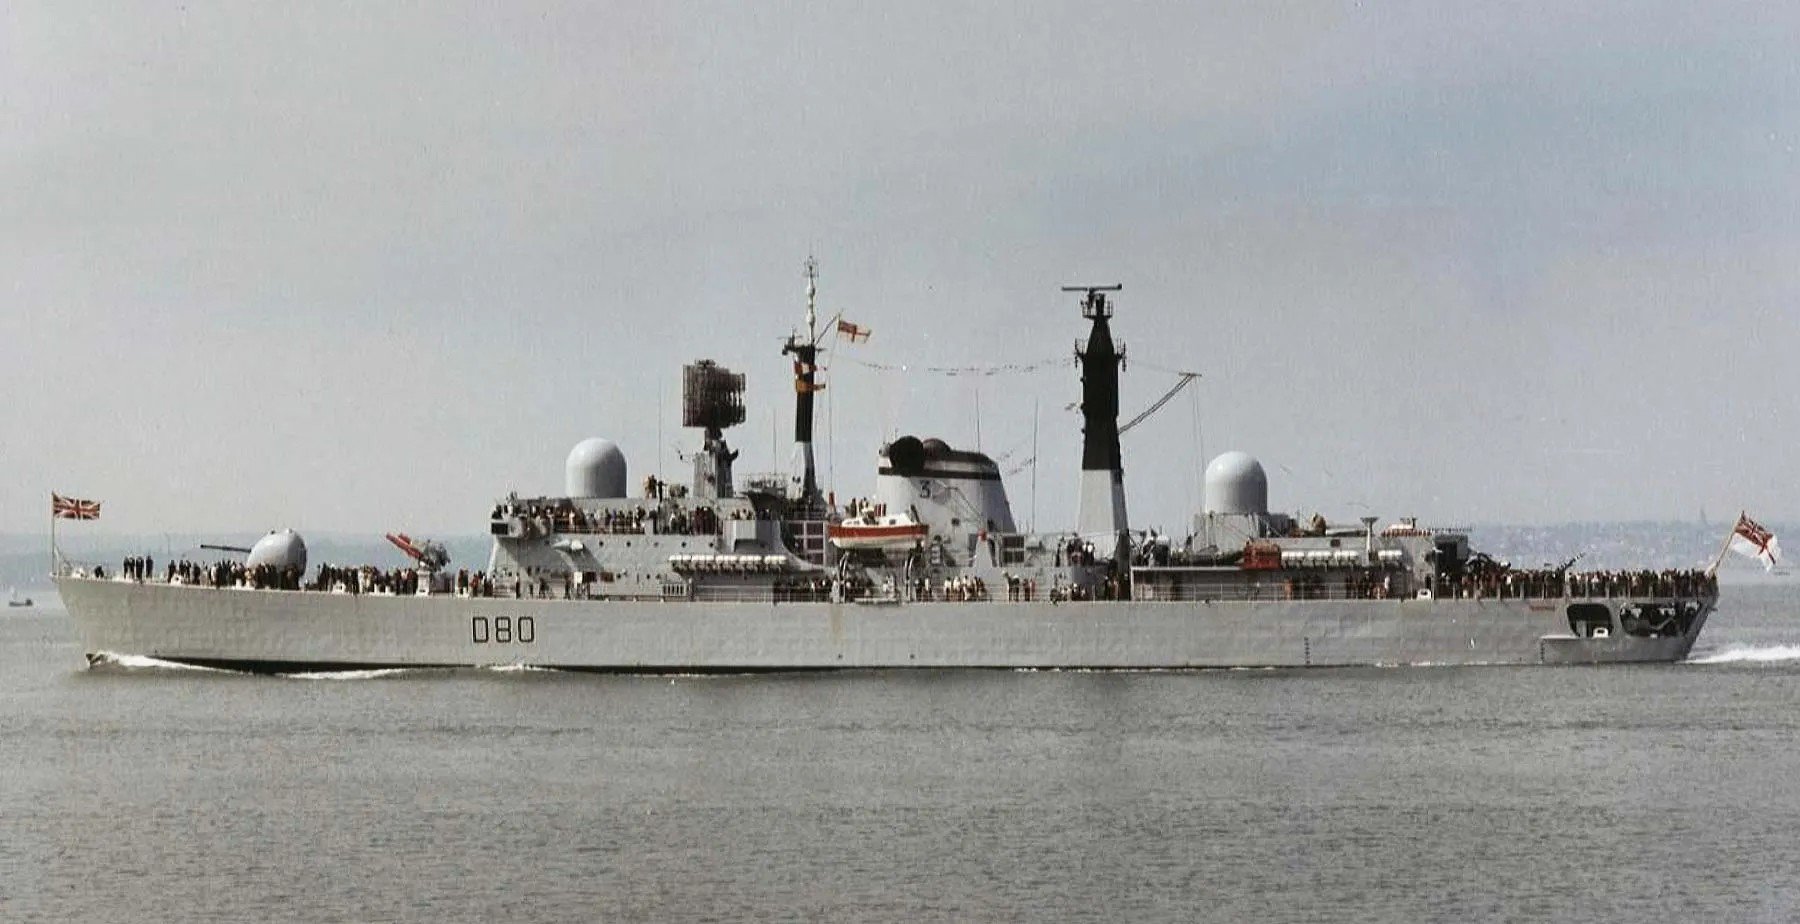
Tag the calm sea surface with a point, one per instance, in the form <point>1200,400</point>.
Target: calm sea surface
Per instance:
<point>1658,793</point>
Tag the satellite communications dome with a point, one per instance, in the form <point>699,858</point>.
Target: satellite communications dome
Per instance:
<point>282,548</point>
<point>596,468</point>
<point>1236,484</point>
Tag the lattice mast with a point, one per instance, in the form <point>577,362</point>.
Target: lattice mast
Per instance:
<point>805,350</point>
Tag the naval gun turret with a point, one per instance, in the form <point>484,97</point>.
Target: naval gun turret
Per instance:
<point>281,549</point>
<point>712,399</point>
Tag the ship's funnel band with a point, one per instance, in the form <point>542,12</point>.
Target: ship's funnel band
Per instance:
<point>954,493</point>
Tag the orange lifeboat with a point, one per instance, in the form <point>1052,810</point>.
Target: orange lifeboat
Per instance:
<point>872,529</point>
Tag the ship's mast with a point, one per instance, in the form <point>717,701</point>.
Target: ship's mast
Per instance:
<point>812,300</point>
<point>1102,510</point>
<point>806,384</point>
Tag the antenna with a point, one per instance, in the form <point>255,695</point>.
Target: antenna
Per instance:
<point>1095,305</point>
<point>712,397</point>
<point>812,295</point>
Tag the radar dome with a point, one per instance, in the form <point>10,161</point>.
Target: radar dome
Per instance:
<point>596,468</point>
<point>282,548</point>
<point>1236,484</point>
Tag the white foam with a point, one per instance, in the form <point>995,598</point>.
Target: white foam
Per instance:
<point>518,669</point>
<point>142,662</point>
<point>1757,654</point>
<point>348,675</point>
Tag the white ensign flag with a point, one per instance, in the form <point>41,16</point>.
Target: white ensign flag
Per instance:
<point>1751,539</point>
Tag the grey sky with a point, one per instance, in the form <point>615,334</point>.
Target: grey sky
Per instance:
<point>367,266</point>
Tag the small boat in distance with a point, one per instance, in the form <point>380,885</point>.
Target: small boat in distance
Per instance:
<point>13,599</point>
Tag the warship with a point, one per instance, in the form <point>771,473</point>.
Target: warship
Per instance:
<point>930,571</point>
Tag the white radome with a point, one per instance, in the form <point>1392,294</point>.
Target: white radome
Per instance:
<point>596,468</point>
<point>1236,484</point>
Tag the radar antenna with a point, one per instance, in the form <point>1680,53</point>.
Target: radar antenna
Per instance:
<point>712,399</point>
<point>1095,305</point>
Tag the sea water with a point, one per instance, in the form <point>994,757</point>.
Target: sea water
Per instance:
<point>149,792</point>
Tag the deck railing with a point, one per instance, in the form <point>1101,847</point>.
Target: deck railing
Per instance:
<point>1577,587</point>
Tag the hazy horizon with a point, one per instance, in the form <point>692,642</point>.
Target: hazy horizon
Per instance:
<point>353,268</point>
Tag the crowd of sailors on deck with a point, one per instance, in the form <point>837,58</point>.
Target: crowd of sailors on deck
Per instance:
<point>802,590</point>
<point>1481,578</point>
<point>1361,584</point>
<point>1508,584</point>
<point>1495,582</point>
<point>962,589</point>
<point>210,574</point>
<point>367,580</point>
<point>562,516</point>
<point>1075,552</point>
<point>223,574</point>
<point>1112,587</point>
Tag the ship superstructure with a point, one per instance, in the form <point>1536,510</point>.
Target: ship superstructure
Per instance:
<point>930,570</point>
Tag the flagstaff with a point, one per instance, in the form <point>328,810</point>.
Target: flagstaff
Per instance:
<point>1751,540</point>
<point>67,508</point>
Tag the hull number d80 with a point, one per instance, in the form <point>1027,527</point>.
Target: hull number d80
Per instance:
<point>502,630</point>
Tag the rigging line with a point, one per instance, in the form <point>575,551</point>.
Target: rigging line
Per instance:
<point>1030,439</point>
<point>1032,525</point>
<point>1196,487</point>
<point>1187,378</point>
<point>995,369</point>
<point>1154,367</point>
<point>1011,451</point>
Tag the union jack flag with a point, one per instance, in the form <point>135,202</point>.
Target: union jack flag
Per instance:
<point>1750,538</point>
<point>73,508</point>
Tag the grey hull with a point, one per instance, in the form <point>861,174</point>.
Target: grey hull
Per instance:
<point>281,630</point>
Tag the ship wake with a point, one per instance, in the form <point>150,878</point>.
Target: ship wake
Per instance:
<point>101,660</point>
<point>364,674</point>
<point>114,661</point>
<point>1753,654</point>
<point>377,673</point>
